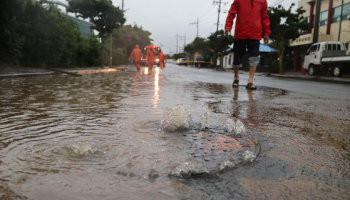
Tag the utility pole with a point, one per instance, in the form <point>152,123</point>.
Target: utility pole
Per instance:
<point>177,41</point>
<point>183,38</point>
<point>219,11</point>
<point>194,23</point>
<point>217,26</point>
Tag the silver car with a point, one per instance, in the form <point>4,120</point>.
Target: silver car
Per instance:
<point>182,61</point>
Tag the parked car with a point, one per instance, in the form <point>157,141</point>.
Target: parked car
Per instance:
<point>182,61</point>
<point>327,56</point>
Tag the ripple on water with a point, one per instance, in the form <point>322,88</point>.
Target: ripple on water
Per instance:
<point>118,113</point>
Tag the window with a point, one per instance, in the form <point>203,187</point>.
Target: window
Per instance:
<point>329,47</point>
<point>346,12</point>
<point>313,49</point>
<point>336,14</point>
<point>333,47</point>
<point>323,18</point>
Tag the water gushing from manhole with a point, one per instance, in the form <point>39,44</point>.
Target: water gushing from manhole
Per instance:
<point>240,128</point>
<point>212,150</point>
<point>205,116</point>
<point>230,126</point>
<point>80,149</point>
<point>177,118</point>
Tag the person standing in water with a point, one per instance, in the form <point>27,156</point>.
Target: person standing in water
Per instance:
<point>161,57</point>
<point>137,54</point>
<point>252,21</point>
<point>151,54</point>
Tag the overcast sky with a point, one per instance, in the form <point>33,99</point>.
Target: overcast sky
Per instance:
<point>165,19</point>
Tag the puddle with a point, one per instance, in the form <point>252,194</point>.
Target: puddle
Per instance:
<point>119,113</point>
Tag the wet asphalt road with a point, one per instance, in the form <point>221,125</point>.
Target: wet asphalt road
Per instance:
<point>302,128</point>
<point>321,89</point>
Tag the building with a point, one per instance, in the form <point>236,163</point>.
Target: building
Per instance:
<point>84,26</point>
<point>334,24</point>
<point>265,60</point>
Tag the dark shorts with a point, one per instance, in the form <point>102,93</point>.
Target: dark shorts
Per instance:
<point>239,49</point>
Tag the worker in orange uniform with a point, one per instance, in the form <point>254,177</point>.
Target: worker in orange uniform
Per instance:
<point>151,54</point>
<point>161,57</point>
<point>137,54</point>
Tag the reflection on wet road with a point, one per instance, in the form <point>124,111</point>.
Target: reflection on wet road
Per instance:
<point>304,139</point>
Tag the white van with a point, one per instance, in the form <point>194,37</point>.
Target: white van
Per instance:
<point>327,56</point>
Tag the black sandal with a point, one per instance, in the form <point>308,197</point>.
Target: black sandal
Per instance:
<point>250,86</point>
<point>235,83</point>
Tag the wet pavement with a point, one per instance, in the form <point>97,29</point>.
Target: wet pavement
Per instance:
<point>99,136</point>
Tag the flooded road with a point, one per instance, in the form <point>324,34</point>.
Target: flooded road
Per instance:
<point>115,118</point>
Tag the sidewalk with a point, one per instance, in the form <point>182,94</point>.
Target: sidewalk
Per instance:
<point>323,78</point>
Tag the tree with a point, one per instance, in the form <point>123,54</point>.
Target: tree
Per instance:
<point>285,26</point>
<point>179,55</point>
<point>200,45</point>
<point>10,41</point>
<point>127,37</point>
<point>36,33</point>
<point>219,43</point>
<point>51,38</point>
<point>101,13</point>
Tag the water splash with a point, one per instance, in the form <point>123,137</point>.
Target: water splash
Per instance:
<point>240,128</point>
<point>205,116</point>
<point>188,168</point>
<point>230,126</point>
<point>226,164</point>
<point>177,118</point>
<point>248,156</point>
<point>82,149</point>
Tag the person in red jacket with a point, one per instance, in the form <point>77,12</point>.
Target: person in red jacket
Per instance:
<point>137,54</point>
<point>161,57</point>
<point>252,19</point>
<point>151,54</point>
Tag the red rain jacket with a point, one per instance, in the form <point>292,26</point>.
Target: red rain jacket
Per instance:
<point>161,56</point>
<point>137,54</point>
<point>151,54</point>
<point>252,18</point>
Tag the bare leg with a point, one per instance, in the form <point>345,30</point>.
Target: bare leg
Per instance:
<point>251,75</point>
<point>236,73</point>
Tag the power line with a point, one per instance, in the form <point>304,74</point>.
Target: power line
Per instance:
<point>207,11</point>
<point>162,16</point>
<point>209,16</point>
<point>276,3</point>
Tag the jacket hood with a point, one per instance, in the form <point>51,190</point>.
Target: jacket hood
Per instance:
<point>137,47</point>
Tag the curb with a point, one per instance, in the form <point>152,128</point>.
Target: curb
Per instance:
<point>26,75</point>
<point>80,72</point>
<point>317,78</point>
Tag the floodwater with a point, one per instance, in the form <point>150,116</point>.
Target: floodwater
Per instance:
<point>117,117</point>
